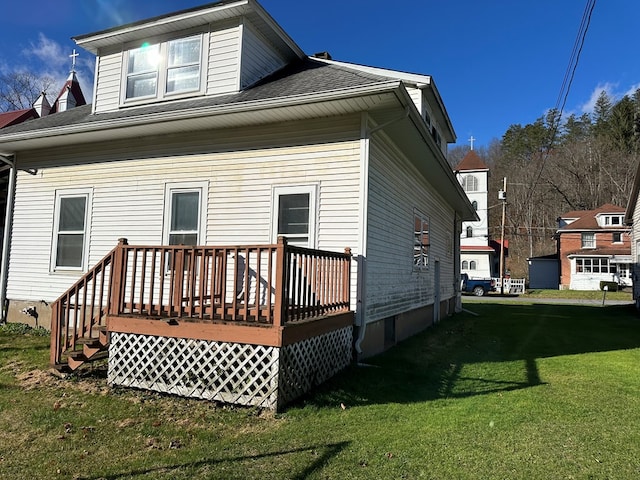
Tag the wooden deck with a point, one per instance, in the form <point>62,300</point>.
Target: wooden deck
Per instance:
<point>272,295</point>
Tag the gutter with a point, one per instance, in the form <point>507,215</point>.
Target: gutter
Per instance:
<point>10,162</point>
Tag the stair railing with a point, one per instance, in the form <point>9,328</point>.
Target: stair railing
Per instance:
<point>79,312</point>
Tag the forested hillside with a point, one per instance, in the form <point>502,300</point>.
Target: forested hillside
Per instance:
<point>555,165</point>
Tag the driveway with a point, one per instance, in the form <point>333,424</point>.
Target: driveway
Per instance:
<point>469,299</point>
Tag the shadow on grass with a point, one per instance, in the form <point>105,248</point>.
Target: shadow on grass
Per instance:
<point>495,351</point>
<point>323,454</point>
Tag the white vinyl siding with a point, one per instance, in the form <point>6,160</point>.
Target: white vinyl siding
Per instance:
<point>224,60</point>
<point>109,71</point>
<point>240,171</point>
<point>396,188</point>
<point>258,58</point>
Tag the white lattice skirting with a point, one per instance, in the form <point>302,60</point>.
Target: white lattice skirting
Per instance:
<point>227,372</point>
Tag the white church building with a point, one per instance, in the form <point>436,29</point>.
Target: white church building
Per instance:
<point>476,256</point>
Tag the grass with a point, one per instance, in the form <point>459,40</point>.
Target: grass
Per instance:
<point>578,294</point>
<point>519,391</point>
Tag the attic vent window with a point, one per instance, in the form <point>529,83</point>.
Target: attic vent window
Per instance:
<point>156,71</point>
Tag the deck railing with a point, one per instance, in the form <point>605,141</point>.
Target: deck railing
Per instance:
<point>271,284</point>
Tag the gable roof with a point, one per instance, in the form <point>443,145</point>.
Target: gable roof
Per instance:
<point>13,118</point>
<point>70,87</point>
<point>587,219</point>
<point>471,161</point>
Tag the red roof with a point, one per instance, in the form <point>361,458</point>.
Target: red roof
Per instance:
<point>471,161</point>
<point>19,116</point>
<point>586,219</point>
<point>73,86</point>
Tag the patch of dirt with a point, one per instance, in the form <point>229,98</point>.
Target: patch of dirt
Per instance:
<point>31,379</point>
<point>36,379</point>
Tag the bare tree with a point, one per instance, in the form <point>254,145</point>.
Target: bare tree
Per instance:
<point>18,90</point>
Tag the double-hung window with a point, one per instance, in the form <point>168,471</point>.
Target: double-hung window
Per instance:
<point>157,71</point>
<point>421,241</point>
<point>294,214</point>
<point>588,240</point>
<point>185,213</point>
<point>71,228</point>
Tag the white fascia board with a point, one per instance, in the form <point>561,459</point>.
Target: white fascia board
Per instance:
<point>174,21</point>
<point>423,82</point>
<point>416,79</point>
<point>421,127</point>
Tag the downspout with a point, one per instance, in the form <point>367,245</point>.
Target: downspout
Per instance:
<point>365,135</point>
<point>6,237</point>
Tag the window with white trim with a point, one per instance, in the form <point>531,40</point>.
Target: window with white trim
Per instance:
<point>156,71</point>
<point>185,213</point>
<point>595,265</point>
<point>294,214</point>
<point>71,230</point>
<point>421,242</point>
<point>588,240</point>
<point>616,237</point>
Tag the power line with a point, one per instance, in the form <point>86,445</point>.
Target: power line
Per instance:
<point>575,56</point>
<point>566,85</point>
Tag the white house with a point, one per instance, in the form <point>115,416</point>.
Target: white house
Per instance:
<point>211,127</point>
<point>476,255</point>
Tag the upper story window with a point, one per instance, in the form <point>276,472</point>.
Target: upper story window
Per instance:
<point>607,220</point>
<point>469,232</point>
<point>588,240</point>
<point>474,204</point>
<point>469,183</point>
<point>616,237</point>
<point>156,71</point>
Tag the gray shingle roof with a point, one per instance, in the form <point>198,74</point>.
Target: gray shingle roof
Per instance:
<point>300,78</point>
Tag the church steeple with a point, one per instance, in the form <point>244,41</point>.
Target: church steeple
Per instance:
<point>70,95</point>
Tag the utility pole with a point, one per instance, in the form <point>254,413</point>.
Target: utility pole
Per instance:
<point>502,195</point>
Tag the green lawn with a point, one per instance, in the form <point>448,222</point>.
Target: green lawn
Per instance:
<point>517,392</point>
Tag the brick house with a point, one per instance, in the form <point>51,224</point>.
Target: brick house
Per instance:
<point>594,246</point>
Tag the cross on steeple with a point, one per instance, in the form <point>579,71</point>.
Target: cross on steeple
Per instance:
<point>73,60</point>
<point>470,139</point>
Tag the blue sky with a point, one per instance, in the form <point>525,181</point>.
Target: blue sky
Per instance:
<point>495,62</point>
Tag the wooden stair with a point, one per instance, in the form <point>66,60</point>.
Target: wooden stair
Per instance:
<point>93,349</point>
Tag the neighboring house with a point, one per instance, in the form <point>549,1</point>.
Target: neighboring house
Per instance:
<point>477,257</point>
<point>594,246</point>
<point>210,127</point>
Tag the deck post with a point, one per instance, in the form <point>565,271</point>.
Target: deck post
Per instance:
<point>280,307</point>
<point>346,280</point>
<point>54,352</point>
<point>116,286</point>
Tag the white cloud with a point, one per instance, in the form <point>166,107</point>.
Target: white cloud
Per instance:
<point>47,58</point>
<point>608,87</point>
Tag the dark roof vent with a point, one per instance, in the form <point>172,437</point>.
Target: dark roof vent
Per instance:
<point>323,55</point>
